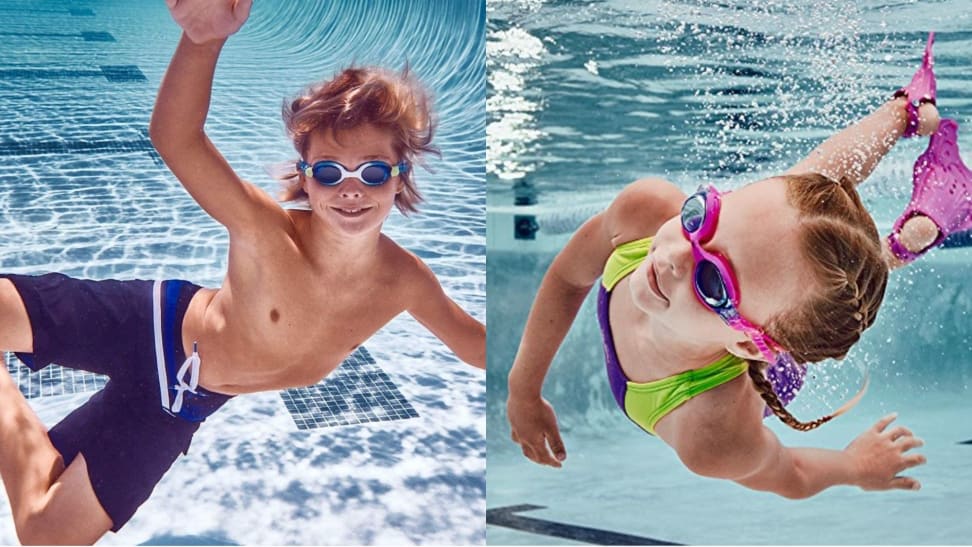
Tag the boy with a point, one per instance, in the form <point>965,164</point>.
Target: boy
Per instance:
<point>303,289</point>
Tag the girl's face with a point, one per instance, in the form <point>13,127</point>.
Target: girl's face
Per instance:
<point>352,207</point>
<point>757,234</point>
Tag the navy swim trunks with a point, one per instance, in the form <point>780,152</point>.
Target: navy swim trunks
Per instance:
<point>131,431</point>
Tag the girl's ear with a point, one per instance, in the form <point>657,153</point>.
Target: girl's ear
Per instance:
<point>745,349</point>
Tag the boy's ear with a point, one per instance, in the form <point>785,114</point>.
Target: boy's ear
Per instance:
<point>399,186</point>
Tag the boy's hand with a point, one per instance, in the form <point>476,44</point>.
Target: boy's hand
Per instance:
<point>534,426</point>
<point>206,20</point>
<point>879,455</point>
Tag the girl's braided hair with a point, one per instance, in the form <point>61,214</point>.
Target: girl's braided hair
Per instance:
<point>843,247</point>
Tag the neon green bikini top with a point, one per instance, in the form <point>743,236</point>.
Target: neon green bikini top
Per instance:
<point>647,403</point>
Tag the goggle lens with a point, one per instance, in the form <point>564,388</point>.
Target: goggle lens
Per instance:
<point>375,173</point>
<point>327,174</point>
<point>693,213</point>
<point>710,285</point>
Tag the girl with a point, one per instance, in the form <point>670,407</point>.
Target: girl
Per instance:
<point>698,295</point>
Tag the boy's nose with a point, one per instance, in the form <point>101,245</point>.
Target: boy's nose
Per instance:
<point>351,188</point>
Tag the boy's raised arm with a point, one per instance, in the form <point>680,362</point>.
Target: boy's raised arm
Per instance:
<point>179,116</point>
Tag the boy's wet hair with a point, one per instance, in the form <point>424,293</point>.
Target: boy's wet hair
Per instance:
<point>393,101</point>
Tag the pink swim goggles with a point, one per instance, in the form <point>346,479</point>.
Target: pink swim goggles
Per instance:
<point>715,284</point>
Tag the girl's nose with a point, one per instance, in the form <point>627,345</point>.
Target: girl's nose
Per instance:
<point>677,259</point>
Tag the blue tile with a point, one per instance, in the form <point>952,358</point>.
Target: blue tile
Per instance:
<point>113,73</point>
<point>53,380</point>
<point>80,12</point>
<point>357,392</point>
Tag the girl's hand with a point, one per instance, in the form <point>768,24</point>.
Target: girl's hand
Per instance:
<point>534,427</point>
<point>206,20</point>
<point>878,456</point>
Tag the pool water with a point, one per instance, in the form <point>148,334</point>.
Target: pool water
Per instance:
<point>83,193</point>
<point>585,97</point>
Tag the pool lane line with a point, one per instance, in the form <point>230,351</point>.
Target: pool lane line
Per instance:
<point>111,73</point>
<point>32,148</point>
<point>87,36</point>
<point>966,442</point>
<point>77,12</point>
<point>507,518</point>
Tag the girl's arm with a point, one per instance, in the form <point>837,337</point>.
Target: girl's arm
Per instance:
<point>872,461</point>
<point>637,212</point>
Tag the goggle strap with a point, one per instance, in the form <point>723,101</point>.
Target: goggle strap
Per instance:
<point>305,168</point>
<point>396,170</point>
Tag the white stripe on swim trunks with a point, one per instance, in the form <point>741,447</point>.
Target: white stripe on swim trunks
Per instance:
<point>159,353</point>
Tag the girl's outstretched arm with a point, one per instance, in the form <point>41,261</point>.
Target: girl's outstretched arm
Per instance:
<point>637,212</point>
<point>872,461</point>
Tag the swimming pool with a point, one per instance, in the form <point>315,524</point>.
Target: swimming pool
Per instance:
<point>82,192</point>
<point>585,97</point>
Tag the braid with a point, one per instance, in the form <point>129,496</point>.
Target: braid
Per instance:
<point>765,390</point>
<point>843,249</point>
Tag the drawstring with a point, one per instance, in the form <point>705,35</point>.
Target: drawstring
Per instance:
<point>191,364</point>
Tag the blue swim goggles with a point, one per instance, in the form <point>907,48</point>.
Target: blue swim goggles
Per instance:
<point>332,173</point>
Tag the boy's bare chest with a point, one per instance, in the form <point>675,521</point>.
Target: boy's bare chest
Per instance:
<point>286,324</point>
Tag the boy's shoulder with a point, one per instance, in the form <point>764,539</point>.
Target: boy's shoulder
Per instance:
<point>397,257</point>
<point>407,268</point>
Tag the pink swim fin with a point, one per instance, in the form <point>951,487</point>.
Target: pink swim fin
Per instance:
<point>922,88</point>
<point>942,190</point>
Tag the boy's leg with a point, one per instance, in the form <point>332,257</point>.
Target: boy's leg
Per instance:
<point>76,323</point>
<point>50,504</point>
<point>15,331</point>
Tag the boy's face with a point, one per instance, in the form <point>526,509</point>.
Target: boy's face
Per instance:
<point>352,207</point>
